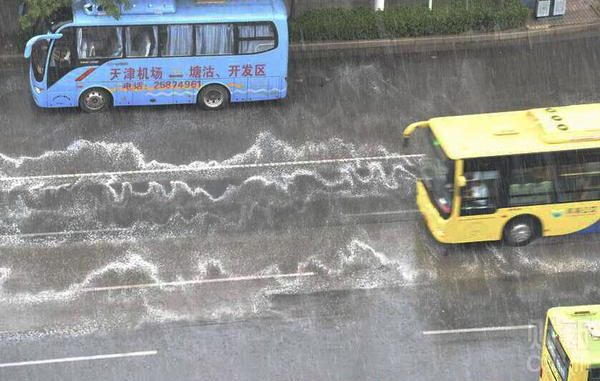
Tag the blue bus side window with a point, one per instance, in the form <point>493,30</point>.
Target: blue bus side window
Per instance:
<point>256,38</point>
<point>141,41</point>
<point>214,39</point>
<point>176,40</point>
<point>99,42</point>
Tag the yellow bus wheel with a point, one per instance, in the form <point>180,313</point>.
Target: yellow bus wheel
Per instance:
<point>520,231</point>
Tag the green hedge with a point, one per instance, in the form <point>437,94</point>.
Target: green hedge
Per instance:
<point>407,21</point>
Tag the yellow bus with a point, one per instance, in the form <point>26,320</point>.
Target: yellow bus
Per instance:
<point>511,176</point>
<point>571,344</point>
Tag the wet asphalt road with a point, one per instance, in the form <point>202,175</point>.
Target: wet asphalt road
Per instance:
<point>277,274</point>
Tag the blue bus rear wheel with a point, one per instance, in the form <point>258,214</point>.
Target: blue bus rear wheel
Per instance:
<point>213,97</point>
<point>95,100</point>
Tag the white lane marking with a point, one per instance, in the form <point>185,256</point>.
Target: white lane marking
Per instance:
<point>78,359</point>
<point>68,232</point>
<point>478,330</point>
<point>198,282</point>
<point>210,168</point>
<point>388,213</point>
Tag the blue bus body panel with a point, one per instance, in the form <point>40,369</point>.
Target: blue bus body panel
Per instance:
<point>192,11</point>
<point>178,80</point>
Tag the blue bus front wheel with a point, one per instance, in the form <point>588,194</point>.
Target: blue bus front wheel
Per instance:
<point>95,100</point>
<point>213,97</point>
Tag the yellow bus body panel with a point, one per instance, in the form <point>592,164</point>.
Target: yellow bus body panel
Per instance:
<point>556,219</point>
<point>519,132</point>
<point>551,129</point>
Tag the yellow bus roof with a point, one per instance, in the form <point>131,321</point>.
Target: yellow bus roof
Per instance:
<point>519,132</point>
<point>578,329</point>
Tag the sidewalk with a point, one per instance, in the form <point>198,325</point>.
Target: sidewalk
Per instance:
<point>578,12</point>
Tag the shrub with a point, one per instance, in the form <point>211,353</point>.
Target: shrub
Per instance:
<point>407,21</point>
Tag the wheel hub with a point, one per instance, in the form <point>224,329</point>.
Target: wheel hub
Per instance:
<point>520,233</point>
<point>213,99</point>
<point>94,100</point>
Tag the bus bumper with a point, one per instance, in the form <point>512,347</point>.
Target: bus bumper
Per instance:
<point>434,221</point>
<point>41,100</point>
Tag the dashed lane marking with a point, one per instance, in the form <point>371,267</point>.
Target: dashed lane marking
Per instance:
<point>198,282</point>
<point>479,330</point>
<point>78,359</point>
<point>65,233</point>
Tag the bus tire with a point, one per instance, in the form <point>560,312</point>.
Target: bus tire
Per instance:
<point>95,100</point>
<point>213,97</point>
<point>520,231</point>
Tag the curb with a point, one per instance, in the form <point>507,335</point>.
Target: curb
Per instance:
<point>413,44</point>
<point>438,43</point>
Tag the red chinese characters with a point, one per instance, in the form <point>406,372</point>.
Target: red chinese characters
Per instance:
<point>156,73</point>
<point>142,73</point>
<point>234,70</point>
<point>260,70</point>
<point>115,73</point>
<point>129,74</point>
<point>136,86</point>
<point>197,72</point>
<point>248,70</point>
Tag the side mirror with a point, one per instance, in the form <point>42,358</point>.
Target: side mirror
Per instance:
<point>461,181</point>
<point>409,130</point>
<point>33,40</point>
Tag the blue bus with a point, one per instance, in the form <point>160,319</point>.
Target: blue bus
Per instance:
<point>162,52</point>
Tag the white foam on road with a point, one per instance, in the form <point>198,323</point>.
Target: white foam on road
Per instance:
<point>111,356</point>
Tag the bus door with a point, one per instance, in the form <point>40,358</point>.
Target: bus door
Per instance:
<point>38,53</point>
<point>61,76</point>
